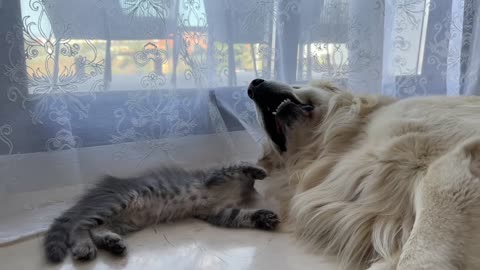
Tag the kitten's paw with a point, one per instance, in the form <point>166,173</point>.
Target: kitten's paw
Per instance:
<point>84,251</point>
<point>253,171</point>
<point>265,220</point>
<point>56,254</point>
<point>115,244</point>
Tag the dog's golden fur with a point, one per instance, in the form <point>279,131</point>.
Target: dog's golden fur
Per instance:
<point>382,183</point>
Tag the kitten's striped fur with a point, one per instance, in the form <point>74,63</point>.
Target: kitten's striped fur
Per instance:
<point>115,207</point>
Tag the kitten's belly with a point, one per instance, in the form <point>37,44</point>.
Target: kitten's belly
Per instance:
<point>154,212</point>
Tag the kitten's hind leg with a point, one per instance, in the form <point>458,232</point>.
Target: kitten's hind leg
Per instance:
<point>108,240</point>
<point>82,246</point>
<point>242,218</point>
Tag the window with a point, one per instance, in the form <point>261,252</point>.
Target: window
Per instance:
<point>409,35</point>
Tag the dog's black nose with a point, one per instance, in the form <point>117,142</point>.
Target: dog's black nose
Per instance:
<point>253,84</point>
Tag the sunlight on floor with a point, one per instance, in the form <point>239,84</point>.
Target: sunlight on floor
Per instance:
<point>188,245</point>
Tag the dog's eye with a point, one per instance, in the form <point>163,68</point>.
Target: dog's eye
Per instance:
<point>308,108</point>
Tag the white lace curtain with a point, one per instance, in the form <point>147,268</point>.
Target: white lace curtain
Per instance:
<point>115,86</point>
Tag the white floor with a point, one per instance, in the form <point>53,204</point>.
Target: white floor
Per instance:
<point>188,245</point>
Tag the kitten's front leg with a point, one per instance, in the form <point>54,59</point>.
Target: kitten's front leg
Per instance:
<point>242,218</point>
<point>244,171</point>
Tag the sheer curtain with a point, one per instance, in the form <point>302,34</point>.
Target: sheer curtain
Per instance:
<point>98,87</point>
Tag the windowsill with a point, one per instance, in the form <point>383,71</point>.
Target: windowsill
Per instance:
<point>31,198</point>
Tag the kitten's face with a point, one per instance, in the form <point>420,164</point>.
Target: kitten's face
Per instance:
<point>236,185</point>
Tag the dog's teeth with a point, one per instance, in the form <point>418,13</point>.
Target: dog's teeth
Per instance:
<point>281,103</point>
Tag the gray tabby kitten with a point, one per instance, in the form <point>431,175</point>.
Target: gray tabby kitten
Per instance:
<point>118,206</point>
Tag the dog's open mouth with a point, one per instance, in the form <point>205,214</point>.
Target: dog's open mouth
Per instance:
<point>278,107</point>
<point>280,125</point>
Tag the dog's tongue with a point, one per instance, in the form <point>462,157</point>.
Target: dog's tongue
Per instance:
<point>280,126</point>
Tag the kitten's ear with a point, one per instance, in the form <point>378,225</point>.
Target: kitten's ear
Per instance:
<point>215,180</point>
<point>254,172</point>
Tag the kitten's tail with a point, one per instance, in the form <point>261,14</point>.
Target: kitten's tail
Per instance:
<point>56,240</point>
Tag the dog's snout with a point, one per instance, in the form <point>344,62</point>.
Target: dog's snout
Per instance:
<point>253,85</point>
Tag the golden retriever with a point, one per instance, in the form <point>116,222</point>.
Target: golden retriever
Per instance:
<point>379,183</point>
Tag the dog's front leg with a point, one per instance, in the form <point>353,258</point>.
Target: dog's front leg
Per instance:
<point>446,203</point>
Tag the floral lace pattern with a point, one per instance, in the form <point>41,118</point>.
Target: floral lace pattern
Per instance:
<point>98,72</point>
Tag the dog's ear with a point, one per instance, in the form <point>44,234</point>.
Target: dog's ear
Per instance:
<point>475,163</point>
<point>472,149</point>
